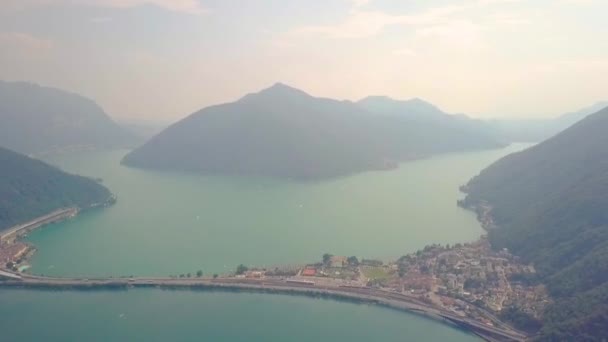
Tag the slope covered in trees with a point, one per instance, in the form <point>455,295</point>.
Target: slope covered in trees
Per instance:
<point>550,205</point>
<point>39,119</point>
<point>30,188</point>
<point>284,132</point>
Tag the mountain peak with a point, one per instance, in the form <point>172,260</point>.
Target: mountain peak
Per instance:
<point>277,90</point>
<point>282,89</point>
<point>280,85</point>
<point>419,101</point>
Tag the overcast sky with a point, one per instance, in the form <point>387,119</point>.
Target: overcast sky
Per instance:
<point>163,59</point>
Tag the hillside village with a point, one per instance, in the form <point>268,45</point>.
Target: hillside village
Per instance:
<point>468,279</point>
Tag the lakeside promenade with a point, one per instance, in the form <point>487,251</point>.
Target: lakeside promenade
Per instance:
<point>276,285</point>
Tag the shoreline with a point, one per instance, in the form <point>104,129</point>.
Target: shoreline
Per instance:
<point>14,233</point>
<point>403,303</point>
<point>363,295</point>
<point>16,252</point>
<point>13,237</point>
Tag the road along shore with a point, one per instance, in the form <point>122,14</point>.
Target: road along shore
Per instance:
<point>272,286</point>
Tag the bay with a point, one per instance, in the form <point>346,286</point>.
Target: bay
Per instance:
<point>170,223</point>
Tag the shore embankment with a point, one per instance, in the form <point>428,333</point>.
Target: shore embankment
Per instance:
<point>271,285</point>
<point>17,231</point>
<point>15,253</point>
<point>389,299</point>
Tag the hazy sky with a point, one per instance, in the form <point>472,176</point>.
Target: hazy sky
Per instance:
<point>163,59</point>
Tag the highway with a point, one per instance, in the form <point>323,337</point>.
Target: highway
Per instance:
<point>495,333</point>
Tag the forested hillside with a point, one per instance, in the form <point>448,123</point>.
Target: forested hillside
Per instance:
<point>284,132</point>
<point>550,205</point>
<point>30,188</point>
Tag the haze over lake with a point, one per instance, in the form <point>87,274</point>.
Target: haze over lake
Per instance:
<point>169,223</point>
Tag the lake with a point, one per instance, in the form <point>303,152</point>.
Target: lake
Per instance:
<point>167,223</point>
<point>172,315</point>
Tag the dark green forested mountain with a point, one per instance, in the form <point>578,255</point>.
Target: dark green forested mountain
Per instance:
<point>38,119</point>
<point>550,204</point>
<point>30,188</point>
<point>284,132</point>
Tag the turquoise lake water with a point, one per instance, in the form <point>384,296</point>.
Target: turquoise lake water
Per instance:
<point>172,223</point>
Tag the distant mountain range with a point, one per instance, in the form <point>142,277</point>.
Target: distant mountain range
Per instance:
<point>535,130</point>
<point>417,111</point>
<point>550,205</point>
<point>143,129</point>
<point>284,132</point>
<point>30,188</point>
<point>414,109</point>
<point>37,119</point>
<point>509,130</point>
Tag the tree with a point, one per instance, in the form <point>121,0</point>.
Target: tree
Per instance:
<point>327,258</point>
<point>199,273</point>
<point>521,319</point>
<point>402,271</point>
<point>353,261</point>
<point>241,269</point>
<point>188,275</point>
<point>215,275</point>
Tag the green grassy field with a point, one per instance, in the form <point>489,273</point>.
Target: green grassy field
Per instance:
<point>376,273</point>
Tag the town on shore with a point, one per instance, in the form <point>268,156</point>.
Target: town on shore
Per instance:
<point>469,280</point>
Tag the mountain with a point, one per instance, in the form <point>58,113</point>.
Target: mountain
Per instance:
<point>420,111</point>
<point>38,119</point>
<point>415,109</point>
<point>143,129</point>
<point>550,206</point>
<point>571,118</point>
<point>30,188</point>
<point>284,132</point>
<point>535,130</point>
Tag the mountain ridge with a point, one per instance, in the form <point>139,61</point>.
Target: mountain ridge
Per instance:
<point>30,188</point>
<point>550,206</point>
<point>284,132</point>
<point>39,119</point>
